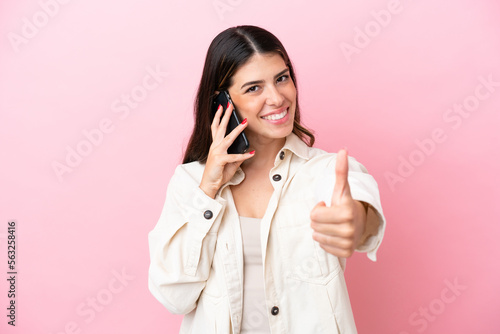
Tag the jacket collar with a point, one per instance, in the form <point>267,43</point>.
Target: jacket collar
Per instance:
<point>294,144</point>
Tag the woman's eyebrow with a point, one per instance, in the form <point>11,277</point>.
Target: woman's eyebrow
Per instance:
<point>261,81</point>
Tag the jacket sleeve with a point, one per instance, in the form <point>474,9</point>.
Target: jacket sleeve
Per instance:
<point>364,188</point>
<point>182,244</point>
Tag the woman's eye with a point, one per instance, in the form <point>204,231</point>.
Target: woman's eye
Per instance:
<point>282,78</point>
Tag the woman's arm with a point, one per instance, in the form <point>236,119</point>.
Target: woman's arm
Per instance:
<point>354,220</point>
<point>371,226</point>
<point>182,244</point>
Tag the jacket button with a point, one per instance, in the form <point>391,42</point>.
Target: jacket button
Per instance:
<point>275,310</point>
<point>282,155</point>
<point>208,214</point>
<point>276,177</point>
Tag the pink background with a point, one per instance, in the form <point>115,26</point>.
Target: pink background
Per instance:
<point>77,231</point>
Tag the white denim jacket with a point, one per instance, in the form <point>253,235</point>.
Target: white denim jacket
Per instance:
<point>196,248</point>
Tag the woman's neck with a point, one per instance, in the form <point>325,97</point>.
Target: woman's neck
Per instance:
<point>266,150</point>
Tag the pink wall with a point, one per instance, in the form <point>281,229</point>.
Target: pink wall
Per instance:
<point>407,93</point>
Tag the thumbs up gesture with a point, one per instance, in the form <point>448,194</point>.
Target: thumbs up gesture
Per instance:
<point>339,228</point>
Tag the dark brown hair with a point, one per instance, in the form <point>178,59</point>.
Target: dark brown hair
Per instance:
<point>229,50</point>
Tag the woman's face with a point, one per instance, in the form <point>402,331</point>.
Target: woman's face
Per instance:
<point>264,93</point>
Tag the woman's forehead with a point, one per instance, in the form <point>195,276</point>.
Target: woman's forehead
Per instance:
<point>260,67</point>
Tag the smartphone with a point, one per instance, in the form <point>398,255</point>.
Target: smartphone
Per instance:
<point>240,144</point>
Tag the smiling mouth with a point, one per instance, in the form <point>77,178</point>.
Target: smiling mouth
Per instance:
<point>276,117</point>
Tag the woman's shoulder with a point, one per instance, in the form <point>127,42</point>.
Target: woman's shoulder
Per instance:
<point>191,171</point>
<point>319,158</point>
<point>193,166</point>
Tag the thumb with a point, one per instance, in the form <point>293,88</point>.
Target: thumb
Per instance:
<point>314,211</point>
<point>341,188</point>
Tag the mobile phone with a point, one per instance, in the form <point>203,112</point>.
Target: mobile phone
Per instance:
<point>240,144</point>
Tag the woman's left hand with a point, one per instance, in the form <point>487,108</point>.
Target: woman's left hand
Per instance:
<point>339,228</point>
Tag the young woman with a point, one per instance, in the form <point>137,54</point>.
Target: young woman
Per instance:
<point>246,243</point>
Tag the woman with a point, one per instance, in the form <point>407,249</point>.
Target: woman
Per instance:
<point>245,242</point>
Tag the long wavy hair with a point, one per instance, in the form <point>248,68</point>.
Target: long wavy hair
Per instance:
<point>229,50</point>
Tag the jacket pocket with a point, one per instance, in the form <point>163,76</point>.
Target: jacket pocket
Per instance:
<point>341,306</point>
<point>304,259</point>
<point>212,292</point>
<point>213,306</point>
<point>216,317</point>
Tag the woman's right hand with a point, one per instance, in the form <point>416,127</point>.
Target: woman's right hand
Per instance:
<point>221,166</point>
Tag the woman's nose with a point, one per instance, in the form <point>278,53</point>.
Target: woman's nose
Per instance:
<point>274,96</point>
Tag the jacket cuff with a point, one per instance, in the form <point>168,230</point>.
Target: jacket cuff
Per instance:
<point>204,218</point>
<point>365,189</point>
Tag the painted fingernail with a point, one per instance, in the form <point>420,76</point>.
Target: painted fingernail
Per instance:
<point>252,152</point>
<point>244,121</point>
<point>220,105</point>
<point>228,103</point>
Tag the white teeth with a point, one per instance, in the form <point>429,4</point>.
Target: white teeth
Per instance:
<point>276,117</point>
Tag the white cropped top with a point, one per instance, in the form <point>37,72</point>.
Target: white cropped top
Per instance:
<point>255,312</point>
